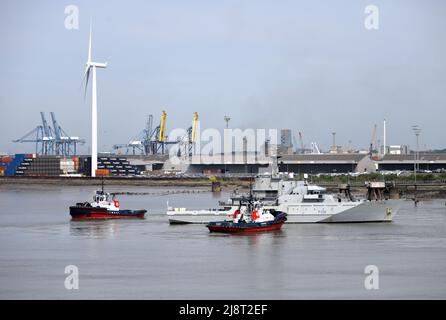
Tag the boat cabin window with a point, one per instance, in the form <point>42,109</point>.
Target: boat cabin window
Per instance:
<point>101,197</point>
<point>315,192</point>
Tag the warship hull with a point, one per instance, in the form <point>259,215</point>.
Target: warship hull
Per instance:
<point>364,211</point>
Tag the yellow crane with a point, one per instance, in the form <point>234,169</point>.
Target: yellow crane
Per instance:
<point>195,120</point>
<point>162,132</point>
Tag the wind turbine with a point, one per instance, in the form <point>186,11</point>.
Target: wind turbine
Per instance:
<point>91,69</point>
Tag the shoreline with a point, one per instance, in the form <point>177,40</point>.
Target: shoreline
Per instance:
<point>124,181</point>
<point>406,191</point>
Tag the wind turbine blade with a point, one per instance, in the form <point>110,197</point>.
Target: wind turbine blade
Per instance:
<point>89,46</point>
<point>83,79</point>
<point>86,77</point>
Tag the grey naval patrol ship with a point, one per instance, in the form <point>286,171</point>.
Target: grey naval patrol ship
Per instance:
<point>303,202</point>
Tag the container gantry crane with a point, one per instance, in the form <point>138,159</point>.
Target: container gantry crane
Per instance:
<point>150,140</point>
<point>51,141</point>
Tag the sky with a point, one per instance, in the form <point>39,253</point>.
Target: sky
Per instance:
<point>310,66</point>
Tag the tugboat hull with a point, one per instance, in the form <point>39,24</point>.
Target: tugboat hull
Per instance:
<point>80,213</point>
<point>247,227</point>
<point>238,229</point>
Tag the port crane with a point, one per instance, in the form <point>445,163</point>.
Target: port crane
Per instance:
<point>51,140</point>
<point>36,136</point>
<point>148,141</point>
<point>63,143</point>
<point>187,142</point>
<point>47,138</point>
<point>315,148</point>
<point>155,141</point>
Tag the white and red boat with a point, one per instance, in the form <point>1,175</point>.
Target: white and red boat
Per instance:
<point>104,206</point>
<point>249,218</point>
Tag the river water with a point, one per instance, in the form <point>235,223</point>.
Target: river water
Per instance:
<point>149,259</point>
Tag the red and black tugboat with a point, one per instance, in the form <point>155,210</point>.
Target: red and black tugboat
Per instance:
<point>250,218</point>
<point>104,206</point>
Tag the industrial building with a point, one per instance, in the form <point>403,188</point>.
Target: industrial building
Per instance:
<point>326,163</point>
<point>317,163</point>
<point>148,163</point>
<point>426,161</point>
<point>298,163</point>
<point>237,163</point>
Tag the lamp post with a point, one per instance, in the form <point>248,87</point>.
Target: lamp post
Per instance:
<point>227,119</point>
<point>416,129</point>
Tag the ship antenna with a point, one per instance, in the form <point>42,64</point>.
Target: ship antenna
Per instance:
<point>250,186</point>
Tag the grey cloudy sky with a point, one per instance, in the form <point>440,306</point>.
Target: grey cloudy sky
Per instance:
<point>310,66</point>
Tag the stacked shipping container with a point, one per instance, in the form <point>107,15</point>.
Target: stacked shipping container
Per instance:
<point>67,166</point>
<point>41,166</point>
<point>112,166</point>
<point>11,164</point>
<point>4,163</point>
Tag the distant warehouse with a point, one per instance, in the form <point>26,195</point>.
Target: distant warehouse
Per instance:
<point>297,163</point>
<point>426,161</point>
<point>326,163</point>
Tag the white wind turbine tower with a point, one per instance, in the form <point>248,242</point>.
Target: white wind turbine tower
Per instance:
<point>91,69</point>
